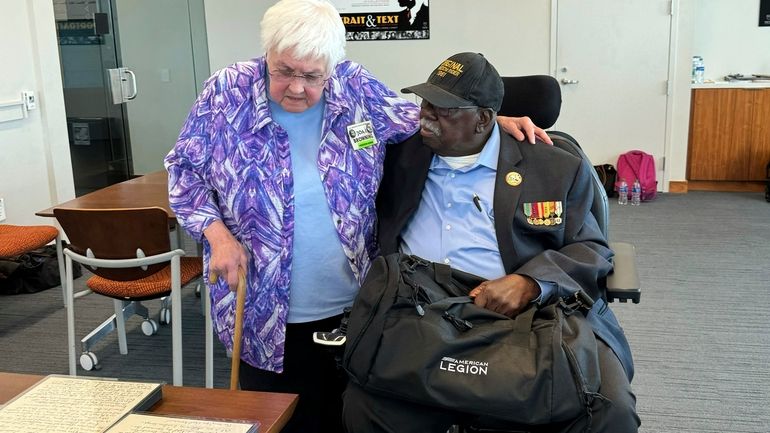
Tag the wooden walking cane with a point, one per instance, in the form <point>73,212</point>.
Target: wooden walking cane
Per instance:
<point>240,302</point>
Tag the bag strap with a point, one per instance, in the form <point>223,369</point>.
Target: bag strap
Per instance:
<point>442,273</point>
<point>447,303</point>
<point>640,155</point>
<point>522,322</point>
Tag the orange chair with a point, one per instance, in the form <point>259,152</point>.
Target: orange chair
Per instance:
<point>18,240</point>
<point>129,251</point>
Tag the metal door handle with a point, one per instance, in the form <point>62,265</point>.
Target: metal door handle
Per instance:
<point>134,90</point>
<point>566,81</point>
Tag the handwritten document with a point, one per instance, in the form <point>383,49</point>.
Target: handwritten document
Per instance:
<point>144,423</point>
<point>67,404</point>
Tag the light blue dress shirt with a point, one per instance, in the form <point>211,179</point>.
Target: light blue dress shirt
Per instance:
<point>449,225</point>
<point>455,222</point>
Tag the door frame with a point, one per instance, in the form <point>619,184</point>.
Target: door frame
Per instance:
<point>673,42</point>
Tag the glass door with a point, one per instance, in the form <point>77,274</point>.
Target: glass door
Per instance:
<point>95,91</point>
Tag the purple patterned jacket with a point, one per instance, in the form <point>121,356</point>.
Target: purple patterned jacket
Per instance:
<point>232,163</point>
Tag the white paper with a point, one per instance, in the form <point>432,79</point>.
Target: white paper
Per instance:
<point>144,423</point>
<point>66,404</point>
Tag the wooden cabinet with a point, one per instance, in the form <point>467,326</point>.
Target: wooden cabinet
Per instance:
<point>729,134</point>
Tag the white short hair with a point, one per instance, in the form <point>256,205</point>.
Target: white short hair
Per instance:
<point>311,29</point>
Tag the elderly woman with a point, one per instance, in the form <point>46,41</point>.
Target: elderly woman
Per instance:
<point>276,171</point>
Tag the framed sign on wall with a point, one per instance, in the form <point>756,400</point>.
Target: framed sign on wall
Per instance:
<point>367,20</point>
<point>764,13</point>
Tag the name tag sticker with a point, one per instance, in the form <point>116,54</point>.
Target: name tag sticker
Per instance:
<point>361,135</point>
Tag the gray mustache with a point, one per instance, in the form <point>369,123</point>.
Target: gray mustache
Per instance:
<point>426,124</point>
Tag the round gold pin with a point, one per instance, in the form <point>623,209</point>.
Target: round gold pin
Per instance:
<point>513,178</point>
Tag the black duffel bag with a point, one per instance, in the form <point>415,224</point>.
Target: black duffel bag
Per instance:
<point>415,335</point>
<point>32,272</point>
<point>607,175</point>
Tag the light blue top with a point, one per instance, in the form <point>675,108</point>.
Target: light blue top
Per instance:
<point>451,227</point>
<point>322,283</point>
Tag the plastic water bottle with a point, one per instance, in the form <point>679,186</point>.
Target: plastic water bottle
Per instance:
<point>636,193</point>
<point>623,193</point>
<point>696,61</point>
<point>698,69</point>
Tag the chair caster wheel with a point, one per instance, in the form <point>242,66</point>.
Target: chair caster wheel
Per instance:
<point>149,327</point>
<point>165,316</point>
<point>89,361</point>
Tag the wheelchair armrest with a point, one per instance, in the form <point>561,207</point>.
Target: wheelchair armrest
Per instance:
<point>623,282</point>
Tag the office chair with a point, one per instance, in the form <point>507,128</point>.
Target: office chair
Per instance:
<point>129,251</point>
<point>17,240</point>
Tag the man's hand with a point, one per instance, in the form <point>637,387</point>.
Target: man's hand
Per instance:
<point>227,255</point>
<point>520,127</point>
<point>508,295</point>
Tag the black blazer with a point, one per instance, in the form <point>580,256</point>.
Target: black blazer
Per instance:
<point>569,251</point>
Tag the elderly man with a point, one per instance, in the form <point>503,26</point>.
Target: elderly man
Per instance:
<point>463,193</point>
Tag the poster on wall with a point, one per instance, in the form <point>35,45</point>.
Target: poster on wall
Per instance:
<point>371,20</point>
<point>764,13</point>
<point>77,32</point>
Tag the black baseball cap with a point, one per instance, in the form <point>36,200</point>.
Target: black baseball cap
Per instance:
<point>461,80</point>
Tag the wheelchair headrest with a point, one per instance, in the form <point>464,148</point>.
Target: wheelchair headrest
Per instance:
<point>536,96</point>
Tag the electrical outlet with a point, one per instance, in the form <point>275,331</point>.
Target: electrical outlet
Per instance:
<point>2,210</point>
<point>30,101</point>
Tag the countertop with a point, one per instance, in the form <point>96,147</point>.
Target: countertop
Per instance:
<point>732,85</point>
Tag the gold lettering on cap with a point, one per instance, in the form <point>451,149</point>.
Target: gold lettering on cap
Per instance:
<point>450,67</point>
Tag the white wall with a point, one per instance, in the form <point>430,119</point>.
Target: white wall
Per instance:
<point>513,34</point>
<point>35,169</point>
<point>727,36</point>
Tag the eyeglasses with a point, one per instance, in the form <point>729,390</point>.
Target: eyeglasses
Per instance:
<point>444,111</point>
<point>288,75</point>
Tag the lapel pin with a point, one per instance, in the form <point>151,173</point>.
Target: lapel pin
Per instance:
<point>513,178</point>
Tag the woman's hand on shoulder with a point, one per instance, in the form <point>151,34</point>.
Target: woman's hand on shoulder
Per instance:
<point>523,127</point>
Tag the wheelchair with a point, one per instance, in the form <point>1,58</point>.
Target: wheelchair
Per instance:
<point>539,98</point>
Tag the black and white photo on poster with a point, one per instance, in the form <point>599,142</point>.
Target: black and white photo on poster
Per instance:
<point>764,13</point>
<point>384,19</point>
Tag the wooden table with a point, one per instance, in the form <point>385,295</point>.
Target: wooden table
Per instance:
<point>144,191</point>
<point>272,410</point>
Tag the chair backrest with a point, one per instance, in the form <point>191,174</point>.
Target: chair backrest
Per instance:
<point>539,97</point>
<point>536,96</point>
<point>115,234</point>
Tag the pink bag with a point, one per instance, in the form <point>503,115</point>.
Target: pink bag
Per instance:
<point>636,164</point>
